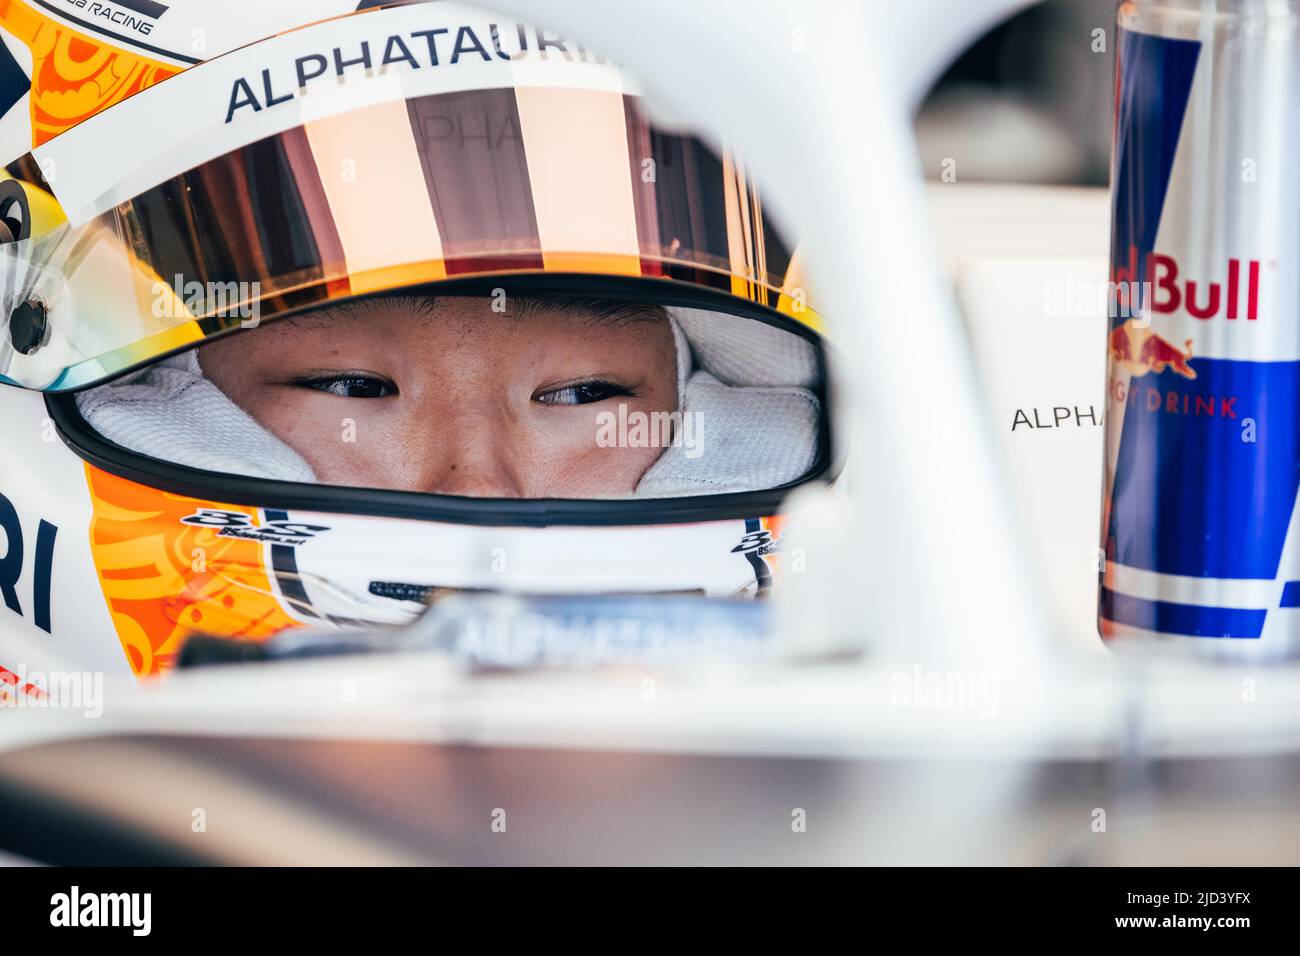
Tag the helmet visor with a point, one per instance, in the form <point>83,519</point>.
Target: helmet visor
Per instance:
<point>410,191</point>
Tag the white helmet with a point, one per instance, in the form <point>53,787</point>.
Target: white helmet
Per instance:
<point>161,197</point>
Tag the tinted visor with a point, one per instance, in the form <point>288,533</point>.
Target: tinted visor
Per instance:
<point>473,183</point>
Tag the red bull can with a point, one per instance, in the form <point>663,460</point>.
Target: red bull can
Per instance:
<point>1199,522</point>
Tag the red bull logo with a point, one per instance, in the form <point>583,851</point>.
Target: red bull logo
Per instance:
<point>1167,291</point>
<point>1139,350</point>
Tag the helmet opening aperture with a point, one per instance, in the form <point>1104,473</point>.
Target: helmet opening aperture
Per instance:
<point>505,396</point>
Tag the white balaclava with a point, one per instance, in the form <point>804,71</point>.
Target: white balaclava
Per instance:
<point>748,387</point>
<point>171,412</point>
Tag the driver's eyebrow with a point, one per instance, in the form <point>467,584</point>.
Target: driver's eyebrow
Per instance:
<point>417,306</point>
<point>599,312</point>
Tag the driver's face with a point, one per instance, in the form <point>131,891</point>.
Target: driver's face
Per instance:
<point>450,397</point>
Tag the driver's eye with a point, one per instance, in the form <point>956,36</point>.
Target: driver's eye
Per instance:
<point>350,386</point>
<point>582,393</point>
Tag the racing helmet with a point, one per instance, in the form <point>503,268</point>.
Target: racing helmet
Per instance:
<point>301,158</point>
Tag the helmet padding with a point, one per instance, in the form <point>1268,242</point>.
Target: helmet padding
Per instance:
<point>169,411</point>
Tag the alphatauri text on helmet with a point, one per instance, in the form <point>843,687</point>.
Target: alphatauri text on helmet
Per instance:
<point>415,50</point>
